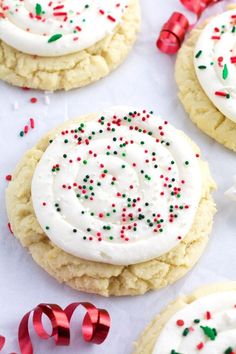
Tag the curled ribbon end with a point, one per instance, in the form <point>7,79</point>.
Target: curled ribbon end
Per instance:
<point>96,325</point>
<point>168,43</point>
<point>173,33</point>
<point>102,328</point>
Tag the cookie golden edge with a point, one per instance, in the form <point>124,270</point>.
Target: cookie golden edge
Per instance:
<point>195,102</point>
<point>73,70</point>
<point>100,278</point>
<point>148,338</point>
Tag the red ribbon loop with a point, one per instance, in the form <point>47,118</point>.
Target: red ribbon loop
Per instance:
<point>174,30</point>
<point>95,325</point>
<point>173,33</point>
<point>197,6</point>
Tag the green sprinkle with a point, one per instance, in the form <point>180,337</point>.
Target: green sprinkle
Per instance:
<point>54,38</point>
<point>209,332</point>
<point>185,332</point>
<point>197,320</point>
<point>225,72</point>
<point>228,350</point>
<point>38,9</point>
<point>202,67</point>
<point>198,54</point>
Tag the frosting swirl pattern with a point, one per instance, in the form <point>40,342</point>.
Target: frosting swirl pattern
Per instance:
<point>121,189</point>
<point>215,62</point>
<point>57,27</point>
<point>207,326</point>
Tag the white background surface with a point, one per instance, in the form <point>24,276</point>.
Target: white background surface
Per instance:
<point>145,80</point>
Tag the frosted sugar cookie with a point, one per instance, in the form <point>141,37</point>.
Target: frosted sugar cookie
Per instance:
<point>205,74</point>
<point>204,322</point>
<point>54,45</point>
<point>115,203</point>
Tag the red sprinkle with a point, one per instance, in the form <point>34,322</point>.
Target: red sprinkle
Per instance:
<point>180,323</point>
<point>8,177</point>
<point>32,125</point>
<point>111,18</point>
<point>200,346</point>
<point>208,315</point>
<point>220,93</point>
<point>33,100</point>
<point>233,60</point>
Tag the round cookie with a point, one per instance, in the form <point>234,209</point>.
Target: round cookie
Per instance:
<point>140,203</point>
<point>204,78</point>
<point>203,322</point>
<point>79,48</point>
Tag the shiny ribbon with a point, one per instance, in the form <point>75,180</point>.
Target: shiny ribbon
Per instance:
<point>95,325</point>
<point>174,30</point>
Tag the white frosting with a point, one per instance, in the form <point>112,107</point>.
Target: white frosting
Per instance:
<point>215,62</point>
<point>222,312</point>
<point>231,193</point>
<point>128,219</point>
<point>28,25</point>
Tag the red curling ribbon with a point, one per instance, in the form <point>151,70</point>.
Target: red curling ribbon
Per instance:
<point>198,6</point>
<point>173,33</point>
<point>174,30</point>
<point>95,325</point>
